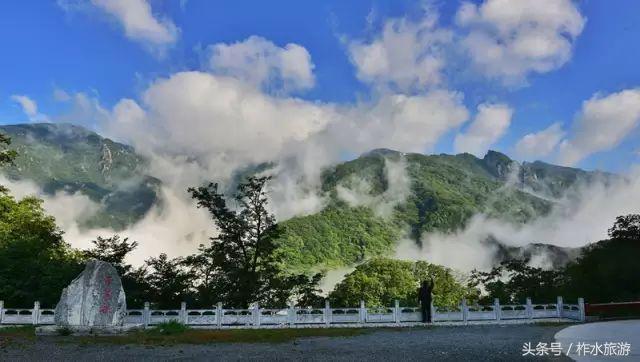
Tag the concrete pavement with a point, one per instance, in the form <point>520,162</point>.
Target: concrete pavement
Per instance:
<point>584,340</point>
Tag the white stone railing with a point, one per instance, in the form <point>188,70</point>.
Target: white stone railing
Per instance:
<point>220,317</point>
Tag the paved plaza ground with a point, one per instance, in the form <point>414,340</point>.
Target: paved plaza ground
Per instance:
<point>466,343</point>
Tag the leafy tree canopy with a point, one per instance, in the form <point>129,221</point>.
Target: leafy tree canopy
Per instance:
<point>381,281</point>
<point>35,262</point>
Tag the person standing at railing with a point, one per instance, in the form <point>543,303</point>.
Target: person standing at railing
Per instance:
<point>424,296</point>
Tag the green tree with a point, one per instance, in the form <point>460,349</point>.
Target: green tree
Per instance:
<point>35,262</point>
<point>514,280</point>
<point>112,250</point>
<point>168,281</point>
<point>115,250</point>
<point>381,281</point>
<point>626,227</point>
<point>607,271</point>
<point>240,265</point>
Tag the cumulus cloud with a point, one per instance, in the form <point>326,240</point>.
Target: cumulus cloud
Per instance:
<point>223,124</point>
<point>508,39</point>
<point>136,18</point>
<point>29,108</point>
<point>401,122</point>
<point>261,62</point>
<point>502,39</point>
<point>542,143</point>
<point>220,123</point>
<point>28,105</point>
<point>489,125</point>
<point>406,55</point>
<point>603,122</point>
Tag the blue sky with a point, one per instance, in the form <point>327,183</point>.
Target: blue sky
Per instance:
<point>83,47</point>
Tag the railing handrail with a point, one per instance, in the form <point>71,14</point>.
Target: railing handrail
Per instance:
<point>316,315</point>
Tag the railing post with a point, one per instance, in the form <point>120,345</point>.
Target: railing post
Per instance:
<point>497,309</point>
<point>559,307</point>
<point>581,307</point>
<point>396,311</point>
<point>146,315</point>
<point>465,310</point>
<point>363,312</point>
<point>529,309</point>
<point>327,312</point>
<point>1,310</point>
<point>219,314</point>
<point>432,308</point>
<point>256,314</point>
<point>36,313</point>
<point>183,313</point>
<point>292,314</point>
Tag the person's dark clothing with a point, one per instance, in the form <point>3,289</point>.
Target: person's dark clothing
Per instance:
<point>424,294</point>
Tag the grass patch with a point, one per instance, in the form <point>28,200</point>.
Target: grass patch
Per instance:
<point>16,335</point>
<point>170,328</point>
<point>171,335</point>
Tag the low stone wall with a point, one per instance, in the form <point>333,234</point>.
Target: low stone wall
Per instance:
<point>219,317</point>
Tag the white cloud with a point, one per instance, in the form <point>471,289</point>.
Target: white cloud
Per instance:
<point>222,122</point>
<point>84,109</point>
<point>29,106</point>
<point>406,55</point>
<point>508,39</point>
<point>135,17</point>
<point>401,122</point>
<point>225,123</point>
<point>261,62</point>
<point>489,125</point>
<point>540,144</point>
<point>602,124</point>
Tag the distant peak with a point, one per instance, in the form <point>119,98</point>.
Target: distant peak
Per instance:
<point>498,163</point>
<point>495,155</point>
<point>381,152</point>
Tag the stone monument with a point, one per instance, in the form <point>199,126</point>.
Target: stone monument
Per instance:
<point>93,303</point>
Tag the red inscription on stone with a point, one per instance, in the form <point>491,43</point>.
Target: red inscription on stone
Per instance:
<point>106,297</point>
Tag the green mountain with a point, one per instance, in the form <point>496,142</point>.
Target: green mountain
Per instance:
<point>444,192</point>
<point>371,201</point>
<point>68,158</point>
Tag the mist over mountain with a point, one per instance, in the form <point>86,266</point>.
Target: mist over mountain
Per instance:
<point>370,204</point>
<point>71,159</point>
